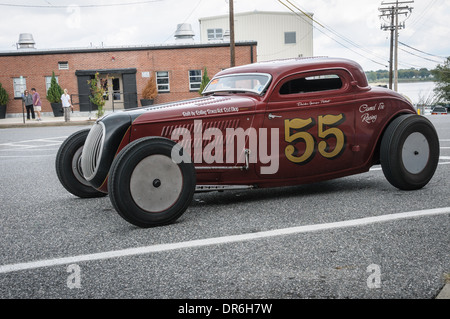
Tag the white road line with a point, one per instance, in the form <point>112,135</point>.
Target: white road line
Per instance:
<point>29,147</point>
<point>24,156</point>
<point>48,139</point>
<point>220,240</point>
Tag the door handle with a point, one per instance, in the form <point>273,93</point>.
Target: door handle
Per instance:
<point>272,116</point>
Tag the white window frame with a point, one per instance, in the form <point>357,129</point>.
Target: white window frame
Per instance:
<point>48,82</point>
<point>19,85</point>
<point>161,76</point>
<point>195,81</point>
<point>214,34</point>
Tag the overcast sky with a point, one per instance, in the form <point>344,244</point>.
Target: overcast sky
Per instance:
<point>349,28</point>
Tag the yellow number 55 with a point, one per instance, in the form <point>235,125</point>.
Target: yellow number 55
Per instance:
<point>296,132</point>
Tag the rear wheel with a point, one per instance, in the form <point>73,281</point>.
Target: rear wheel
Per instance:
<point>146,187</point>
<point>409,152</point>
<point>68,168</point>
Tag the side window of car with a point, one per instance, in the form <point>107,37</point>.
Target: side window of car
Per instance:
<point>311,84</point>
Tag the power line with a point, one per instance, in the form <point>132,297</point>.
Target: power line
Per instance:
<point>342,37</point>
<point>304,14</point>
<point>421,16</point>
<point>51,6</point>
<point>433,55</point>
<point>187,18</point>
<point>420,56</point>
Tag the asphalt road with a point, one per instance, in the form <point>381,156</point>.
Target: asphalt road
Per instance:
<point>345,238</point>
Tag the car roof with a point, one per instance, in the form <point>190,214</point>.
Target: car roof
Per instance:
<point>284,67</point>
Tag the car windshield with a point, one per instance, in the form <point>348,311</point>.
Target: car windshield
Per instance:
<point>245,82</point>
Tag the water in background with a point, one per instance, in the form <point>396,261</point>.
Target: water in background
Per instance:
<point>417,91</point>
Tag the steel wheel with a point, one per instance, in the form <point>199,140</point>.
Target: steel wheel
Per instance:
<point>409,152</point>
<point>159,175</point>
<point>146,187</point>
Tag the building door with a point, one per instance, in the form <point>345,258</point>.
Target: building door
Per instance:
<point>119,84</point>
<point>113,87</point>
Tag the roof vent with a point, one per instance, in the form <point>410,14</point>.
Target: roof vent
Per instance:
<point>26,41</point>
<point>184,32</point>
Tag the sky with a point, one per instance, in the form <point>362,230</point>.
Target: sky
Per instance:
<point>342,28</point>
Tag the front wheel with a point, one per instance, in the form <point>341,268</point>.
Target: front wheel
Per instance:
<point>68,166</point>
<point>409,152</point>
<point>147,187</point>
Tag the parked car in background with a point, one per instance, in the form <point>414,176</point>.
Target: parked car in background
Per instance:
<point>438,110</point>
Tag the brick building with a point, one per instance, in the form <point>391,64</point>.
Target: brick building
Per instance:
<point>125,70</point>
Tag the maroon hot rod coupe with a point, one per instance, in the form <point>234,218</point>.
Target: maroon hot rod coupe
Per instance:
<point>265,124</point>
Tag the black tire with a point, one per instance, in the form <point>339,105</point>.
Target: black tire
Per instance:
<point>68,166</point>
<point>146,187</point>
<point>409,152</point>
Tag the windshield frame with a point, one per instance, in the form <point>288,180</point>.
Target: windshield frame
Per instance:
<point>260,92</point>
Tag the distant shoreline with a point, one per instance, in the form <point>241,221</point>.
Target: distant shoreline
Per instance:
<point>386,81</point>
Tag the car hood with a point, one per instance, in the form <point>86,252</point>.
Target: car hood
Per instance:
<point>203,107</point>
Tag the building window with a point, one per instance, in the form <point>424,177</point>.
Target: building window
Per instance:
<point>290,37</point>
<point>162,80</point>
<point>195,80</point>
<point>48,81</point>
<point>63,65</point>
<point>20,85</point>
<point>215,34</point>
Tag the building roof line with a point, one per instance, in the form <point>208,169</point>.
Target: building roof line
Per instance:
<point>122,48</point>
<point>250,13</point>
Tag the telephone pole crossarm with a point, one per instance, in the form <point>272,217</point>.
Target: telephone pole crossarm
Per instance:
<point>390,12</point>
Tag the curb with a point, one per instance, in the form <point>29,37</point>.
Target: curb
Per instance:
<point>46,124</point>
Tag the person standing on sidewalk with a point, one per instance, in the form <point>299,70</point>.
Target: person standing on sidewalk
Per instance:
<point>28,101</point>
<point>37,103</point>
<point>67,106</point>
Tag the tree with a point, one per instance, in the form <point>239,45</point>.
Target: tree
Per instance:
<point>150,90</point>
<point>54,91</point>
<point>97,93</point>
<point>205,81</point>
<point>3,95</point>
<point>442,78</point>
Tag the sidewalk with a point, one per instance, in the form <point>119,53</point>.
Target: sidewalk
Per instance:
<point>47,120</point>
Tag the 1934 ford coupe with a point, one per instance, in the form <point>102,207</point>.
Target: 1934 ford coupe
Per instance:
<point>265,124</point>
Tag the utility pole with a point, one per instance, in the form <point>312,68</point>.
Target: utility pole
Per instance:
<point>389,13</point>
<point>232,42</point>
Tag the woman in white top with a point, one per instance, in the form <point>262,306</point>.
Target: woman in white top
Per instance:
<point>65,99</point>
